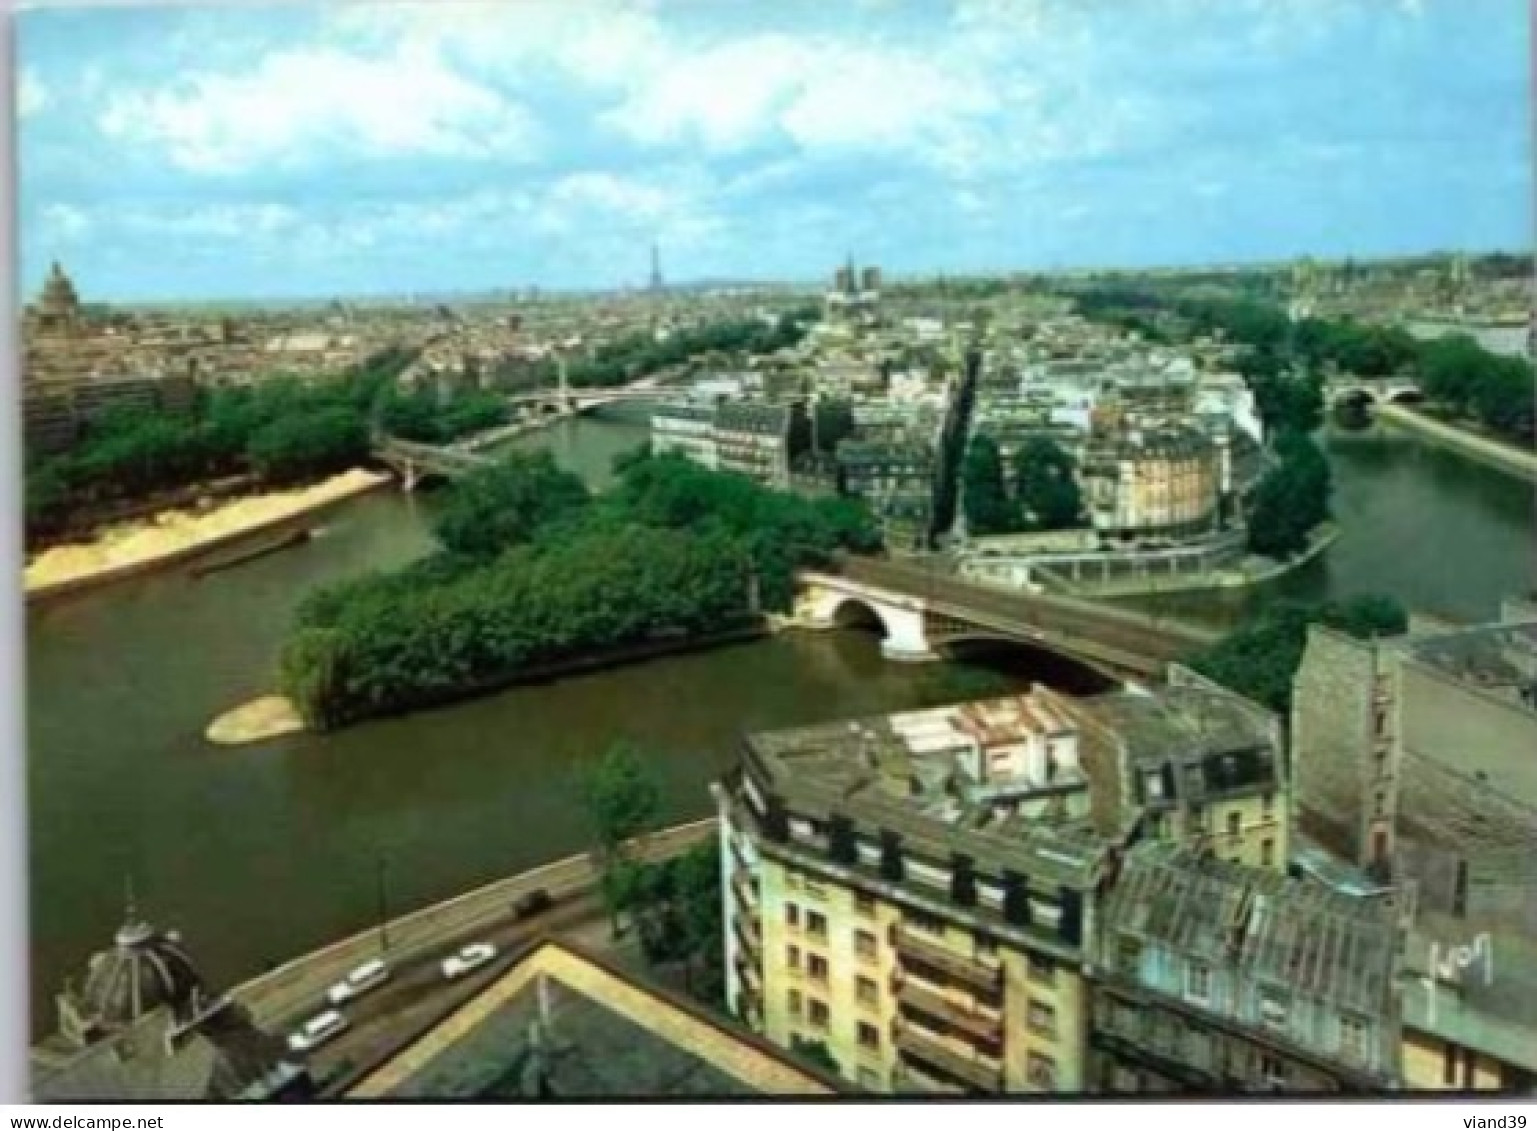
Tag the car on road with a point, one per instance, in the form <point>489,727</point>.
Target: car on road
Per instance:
<point>359,982</point>
<point>531,904</point>
<point>317,1031</point>
<point>469,959</point>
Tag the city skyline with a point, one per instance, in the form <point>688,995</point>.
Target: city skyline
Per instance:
<point>370,149</point>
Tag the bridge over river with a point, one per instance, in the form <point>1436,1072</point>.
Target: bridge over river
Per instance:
<point>924,610</point>
<point>413,461</point>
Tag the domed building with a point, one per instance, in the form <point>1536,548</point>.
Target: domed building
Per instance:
<point>57,311</point>
<point>144,970</point>
<point>141,1025</point>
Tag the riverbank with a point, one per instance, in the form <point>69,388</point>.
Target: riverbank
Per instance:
<point>1247,572</point>
<point>174,536</point>
<point>272,716</point>
<point>1486,450</point>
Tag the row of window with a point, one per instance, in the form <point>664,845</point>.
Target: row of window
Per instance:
<point>815,1012</point>
<point>1058,912</point>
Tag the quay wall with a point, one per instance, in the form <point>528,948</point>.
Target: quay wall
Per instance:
<point>278,992</point>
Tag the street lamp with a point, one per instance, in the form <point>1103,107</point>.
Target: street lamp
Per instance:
<point>384,904</point>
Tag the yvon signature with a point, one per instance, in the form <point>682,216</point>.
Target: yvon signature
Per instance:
<point>1451,968</point>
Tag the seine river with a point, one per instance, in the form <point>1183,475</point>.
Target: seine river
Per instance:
<point>260,853</point>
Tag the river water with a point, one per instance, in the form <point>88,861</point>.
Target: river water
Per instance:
<point>260,853</point>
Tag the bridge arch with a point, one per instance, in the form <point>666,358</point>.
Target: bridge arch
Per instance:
<point>901,627</point>
<point>857,613</point>
<point>1356,396</point>
<point>1072,673</point>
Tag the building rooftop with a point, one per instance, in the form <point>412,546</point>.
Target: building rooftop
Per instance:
<point>560,1023</point>
<point>954,776</point>
<point>1291,934</point>
<point>1500,659</point>
<point>1178,723</point>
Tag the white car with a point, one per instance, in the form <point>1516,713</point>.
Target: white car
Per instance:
<point>472,957</point>
<point>359,982</point>
<point>317,1031</point>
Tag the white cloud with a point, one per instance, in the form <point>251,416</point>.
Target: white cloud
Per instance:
<point>31,94</point>
<point>231,222</point>
<point>64,223</point>
<point>600,42</point>
<point>819,93</point>
<point>320,102</point>
<point>675,206</point>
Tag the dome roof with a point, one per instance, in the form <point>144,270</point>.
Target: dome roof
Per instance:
<point>143,970</point>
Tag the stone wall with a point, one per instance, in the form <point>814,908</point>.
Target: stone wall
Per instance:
<point>1468,796</point>
<point>1331,738</point>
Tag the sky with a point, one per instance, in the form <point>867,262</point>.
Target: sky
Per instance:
<point>314,150</point>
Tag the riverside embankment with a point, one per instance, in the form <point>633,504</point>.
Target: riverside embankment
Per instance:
<point>174,537</point>
<point>279,995</point>
<point>1485,449</point>
<point>261,853</point>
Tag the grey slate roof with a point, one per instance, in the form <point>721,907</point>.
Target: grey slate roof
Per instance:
<point>1272,929</point>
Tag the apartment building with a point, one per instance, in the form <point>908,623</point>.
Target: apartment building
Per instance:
<point>914,892</point>
<point>1211,976</point>
<point>752,438</point>
<point>1140,485</point>
<point>1195,765</point>
<point>688,429</point>
<point>896,479</point>
<point>755,439</point>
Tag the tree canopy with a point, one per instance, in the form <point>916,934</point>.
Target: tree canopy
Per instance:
<point>506,504</point>
<point>1046,488</point>
<point>1292,498</point>
<point>1260,658</point>
<point>621,796</point>
<point>988,507</point>
<point>536,572</point>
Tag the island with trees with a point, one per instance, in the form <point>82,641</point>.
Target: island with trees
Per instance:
<point>535,573</point>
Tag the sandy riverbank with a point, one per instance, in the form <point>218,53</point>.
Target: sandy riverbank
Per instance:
<point>271,716</point>
<point>171,536</point>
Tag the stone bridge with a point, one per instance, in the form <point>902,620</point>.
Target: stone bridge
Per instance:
<point>414,462</point>
<point>922,611</point>
<point>548,402</point>
<point>1392,390</point>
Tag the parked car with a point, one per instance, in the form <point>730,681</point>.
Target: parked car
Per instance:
<point>317,1031</point>
<point>533,903</point>
<point>359,982</point>
<point>469,959</point>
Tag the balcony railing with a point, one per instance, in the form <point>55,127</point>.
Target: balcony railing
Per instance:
<point>981,1023</point>
<point>746,894</point>
<point>914,1079</point>
<point>747,930</point>
<point>984,974</point>
<point>750,975</point>
<point>949,1058</point>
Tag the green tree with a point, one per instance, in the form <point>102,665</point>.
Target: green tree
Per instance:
<point>622,799</point>
<point>1046,487</point>
<point>47,493</point>
<point>816,1053</point>
<point>988,507</point>
<point>1291,500</point>
<point>1260,658</point>
<point>834,422</point>
<point>295,446</point>
<point>506,504</point>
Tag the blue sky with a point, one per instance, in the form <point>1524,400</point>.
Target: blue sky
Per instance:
<point>381,148</point>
